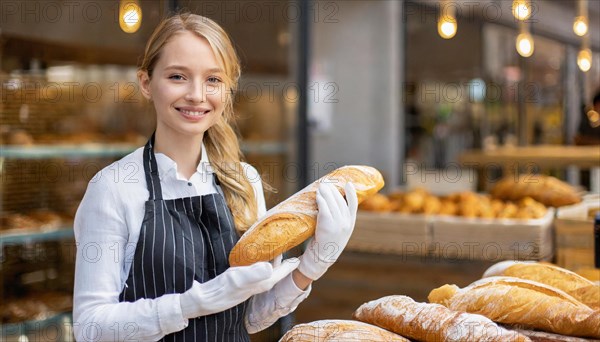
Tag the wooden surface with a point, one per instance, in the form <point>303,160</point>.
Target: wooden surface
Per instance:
<point>545,156</point>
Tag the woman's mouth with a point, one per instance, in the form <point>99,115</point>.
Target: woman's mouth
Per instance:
<point>193,114</point>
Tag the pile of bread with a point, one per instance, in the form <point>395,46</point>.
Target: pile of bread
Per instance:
<point>514,301</point>
<point>35,219</point>
<point>35,306</point>
<point>465,204</point>
<point>522,197</point>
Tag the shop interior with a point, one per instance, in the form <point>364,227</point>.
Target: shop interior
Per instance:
<point>446,98</point>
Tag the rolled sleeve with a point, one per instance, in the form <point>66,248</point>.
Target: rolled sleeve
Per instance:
<point>170,317</point>
<point>266,308</point>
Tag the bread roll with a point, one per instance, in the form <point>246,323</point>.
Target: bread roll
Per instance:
<point>551,275</point>
<point>524,302</point>
<point>339,330</point>
<point>377,202</point>
<point>294,220</point>
<point>546,190</point>
<point>431,322</point>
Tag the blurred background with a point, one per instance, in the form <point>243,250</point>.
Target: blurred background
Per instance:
<point>413,88</point>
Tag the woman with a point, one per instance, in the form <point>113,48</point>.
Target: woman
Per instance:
<point>154,230</point>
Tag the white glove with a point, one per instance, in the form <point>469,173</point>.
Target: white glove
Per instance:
<point>335,223</point>
<point>232,287</point>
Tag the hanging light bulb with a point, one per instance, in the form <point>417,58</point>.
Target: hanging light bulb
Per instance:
<point>584,60</point>
<point>580,25</point>
<point>584,57</point>
<point>447,26</point>
<point>521,9</point>
<point>525,44</point>
<point>524,40</point>
<point>130,16</point>
<point>594,118</point>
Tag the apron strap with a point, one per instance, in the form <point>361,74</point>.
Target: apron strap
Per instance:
<point>151,171</point>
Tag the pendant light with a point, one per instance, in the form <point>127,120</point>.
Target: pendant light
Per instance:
<point>580,24</point>
<point>524,42</point>
<point>130,16</point>
<point>447,25</point>
<point>521,9</point>
<point>584,57</point>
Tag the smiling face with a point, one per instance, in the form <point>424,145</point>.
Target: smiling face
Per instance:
<point>186,86</point>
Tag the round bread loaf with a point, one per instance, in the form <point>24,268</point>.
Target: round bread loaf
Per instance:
<point>339,330</point>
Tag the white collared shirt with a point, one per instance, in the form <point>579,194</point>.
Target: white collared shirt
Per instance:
<point>107,228</point>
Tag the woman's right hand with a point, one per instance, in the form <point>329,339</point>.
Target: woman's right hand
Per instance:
<point>233,287</point>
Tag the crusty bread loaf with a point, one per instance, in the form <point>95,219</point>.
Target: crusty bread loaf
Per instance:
<point>431,322</point>
<point>547,190</point>
<point>339,330</point>
<point>294,220</point>
<point>551,275</point>
<point>524,302</point>
<point>543,336</point>
<point>588,295</point>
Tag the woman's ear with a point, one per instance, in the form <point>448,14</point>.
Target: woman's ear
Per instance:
<point>144,82</point>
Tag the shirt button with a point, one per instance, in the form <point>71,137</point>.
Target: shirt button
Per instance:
<point>189,183</point>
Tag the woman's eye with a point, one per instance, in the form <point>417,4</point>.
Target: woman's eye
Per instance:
<point>214,80</point>
<point>176,77</point>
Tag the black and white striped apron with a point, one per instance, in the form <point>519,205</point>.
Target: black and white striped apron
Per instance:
<point>181,240</point>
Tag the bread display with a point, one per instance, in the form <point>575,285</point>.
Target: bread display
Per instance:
<point>572,283</point>
<point>431,322</point>
<point>522,302</point>
<point>34,307</point>
<point>465,204</point>
<point>36,219</point>
<point>339,330</point>
<point>545,189</point>
<point>294,220</point>
<point>377,202</point>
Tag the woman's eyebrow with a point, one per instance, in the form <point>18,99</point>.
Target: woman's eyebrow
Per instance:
<point>181,67</point>
<point>177,67</point>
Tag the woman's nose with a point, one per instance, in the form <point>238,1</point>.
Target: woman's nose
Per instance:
<point>196,92</point>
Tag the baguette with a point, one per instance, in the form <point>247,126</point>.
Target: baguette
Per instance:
<point>589,295</point>
<point>431,322</point>
<point>547,190</point>
<point>572,283</point>
<point>294,220</point>
<point>524,302</point>
<point>339,330</point>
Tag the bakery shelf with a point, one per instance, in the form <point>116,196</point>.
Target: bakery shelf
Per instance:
<point>66,151</point>
<point>23,236</point>
<point>92,150</point>
<point>57,327</point>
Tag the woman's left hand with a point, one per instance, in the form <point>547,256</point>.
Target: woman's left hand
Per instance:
<point>335,223</point>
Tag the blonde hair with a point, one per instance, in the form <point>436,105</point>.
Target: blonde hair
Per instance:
<point>220,140</point>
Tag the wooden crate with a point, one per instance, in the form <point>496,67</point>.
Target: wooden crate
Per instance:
<point>394,233</point>
<point>574,231</point>
<point>492,239</point>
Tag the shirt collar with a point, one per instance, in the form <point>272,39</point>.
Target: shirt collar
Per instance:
<point>166,165</point>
